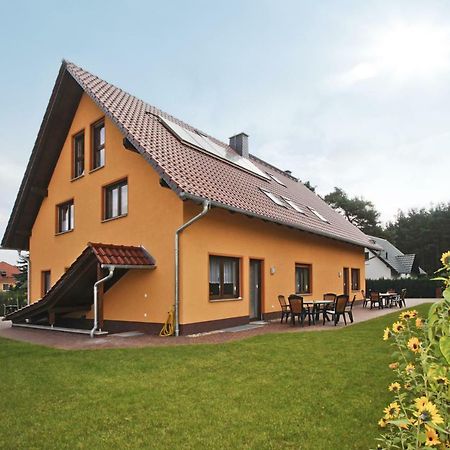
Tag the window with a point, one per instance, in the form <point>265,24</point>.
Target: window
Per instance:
<point>318,215</point>
<point>355,279</point>
<point>98,145</point>
<point>366,256</point>
<point>303,279</point>
<point>274,178</point>
<point>293,205</point>
<point>6,287</point>
<point>65,213</point>
<point>277,200</point>
<point>116,200</point>
<point>45,282</point>
<point>78,155</point>
<point>224,275</point>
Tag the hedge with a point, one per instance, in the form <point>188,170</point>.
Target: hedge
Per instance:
<point>12,298</point>
<point>415,287</point>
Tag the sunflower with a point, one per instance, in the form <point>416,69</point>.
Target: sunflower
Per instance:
<point>442,381</point>
<point>413,313</point>
<point>392,410</point>
<point>414,345</point>
<point>419,323</point>
<point>386,334</point>
<point>393,365</point>
<point>407,386</point>
<point>445,259</point>
<point>410,368</point>
<point>420,402</point>
<point>431,437</point>
<point>397,327</point>
<point>405,315</point>
<point>382,423</point>
<point>394,387</point>
<point>428,413</point>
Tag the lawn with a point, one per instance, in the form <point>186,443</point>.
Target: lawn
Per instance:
<point>315,390</point>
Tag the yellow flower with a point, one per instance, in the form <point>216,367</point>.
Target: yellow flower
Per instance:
<point>442,380</point>
<point>382,423</point>
<point>393,365</point>
<point>397,327</point>
<point>386,334</point>
<point>431,437</point>
<point>414,345</point>
<point>419,323</point>
<point>407,386</point>
<point>445,259</point>
<point>408,314</point>
<point>391,411</point>
<point>420,402</point>
<point>394,387</point>
<point>410,368</point>
<point>413,313</point>
<point>427,412</point>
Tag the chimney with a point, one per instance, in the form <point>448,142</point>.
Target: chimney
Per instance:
<point>240,144</point>
<point>289,172</point>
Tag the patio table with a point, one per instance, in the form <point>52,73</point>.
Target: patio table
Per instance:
<point>387,296</point>
<point>316,305</point>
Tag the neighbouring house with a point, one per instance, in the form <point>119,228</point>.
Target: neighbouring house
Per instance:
<point>389,262</point>
<point>158,214</point>
<point>8,274</point>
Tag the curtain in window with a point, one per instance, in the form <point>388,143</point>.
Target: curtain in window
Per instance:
<point>214,270</point>
<point>229,271</point>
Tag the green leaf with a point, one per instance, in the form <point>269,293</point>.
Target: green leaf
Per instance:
<point>444,346</point>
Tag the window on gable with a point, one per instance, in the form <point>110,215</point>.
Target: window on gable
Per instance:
<point>318,215</point>
<point>78,155</point>
<point>293,205</point>
<point>224,277</point>
<point>115,200</point>
<point>355,279</point>
<point>98,145</point>
<point>303,278</point>
<point>65,219</point>
<point>275,198</point>
<point>274,178</point>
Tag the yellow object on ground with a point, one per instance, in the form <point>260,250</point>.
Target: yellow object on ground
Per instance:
<point>167,329</point>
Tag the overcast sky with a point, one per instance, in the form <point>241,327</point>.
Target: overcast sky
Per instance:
<point>343,93</point>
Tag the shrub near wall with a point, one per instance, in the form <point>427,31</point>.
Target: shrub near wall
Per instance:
<point>415,287</point>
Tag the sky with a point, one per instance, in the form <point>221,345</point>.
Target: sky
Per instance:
<point>342,93</point>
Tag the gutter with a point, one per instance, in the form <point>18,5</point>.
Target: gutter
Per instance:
<point>206,208</point>
<point>96,285</point>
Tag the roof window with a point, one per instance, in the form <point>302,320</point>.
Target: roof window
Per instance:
<point>293,205</point>
<point>277,200</point>
<point>274,178</point>
<point>318,215</point>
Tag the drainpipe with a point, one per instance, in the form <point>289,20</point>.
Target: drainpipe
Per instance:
<point>27,259</point>
<point>97,283</point>
<point>206,207</point>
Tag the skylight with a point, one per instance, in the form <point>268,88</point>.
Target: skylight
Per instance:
<point>208,145</point>
<point>277,200</point>
<point>317,214</point>
<point>277,180</point>
<point>293,205</point>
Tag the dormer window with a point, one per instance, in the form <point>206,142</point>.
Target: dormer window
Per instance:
<point>277,200</point>
<point>318,215</point>
<point>98,145</point>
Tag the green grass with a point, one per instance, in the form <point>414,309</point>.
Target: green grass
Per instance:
<point>315,390</point>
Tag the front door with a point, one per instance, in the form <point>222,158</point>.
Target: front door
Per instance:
<point>346,281</point>
<point>255,312</point>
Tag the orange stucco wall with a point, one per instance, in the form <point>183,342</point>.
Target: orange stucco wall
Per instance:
<point>223,233</point>
<point>153,214</point>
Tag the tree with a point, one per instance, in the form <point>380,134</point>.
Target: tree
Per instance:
<point>309,186</point>
<point>356,210</point>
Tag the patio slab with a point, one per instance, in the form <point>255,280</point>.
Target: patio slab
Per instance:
<point>69,341</point>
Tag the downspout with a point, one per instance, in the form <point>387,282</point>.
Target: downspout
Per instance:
<point>97,283</point>
<point>206,207</point>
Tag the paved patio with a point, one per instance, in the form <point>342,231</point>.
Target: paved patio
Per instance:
<point>68,341</point>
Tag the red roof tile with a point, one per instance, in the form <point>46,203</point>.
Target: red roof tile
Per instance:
<point>8,269</point>
<point>121,255</point>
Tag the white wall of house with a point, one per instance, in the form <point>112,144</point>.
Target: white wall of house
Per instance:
<point>376,269</point>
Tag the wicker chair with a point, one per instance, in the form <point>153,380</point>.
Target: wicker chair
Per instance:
<point>298,310</point>
<point>285,308</point>
<point>339,309</point>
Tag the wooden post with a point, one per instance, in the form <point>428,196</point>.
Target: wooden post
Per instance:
<point>100,293</point>
<point>51,317</point>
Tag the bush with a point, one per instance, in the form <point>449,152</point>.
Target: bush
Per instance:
<point>419,415</point>
<point>415,287</point>
<point>14,297</point>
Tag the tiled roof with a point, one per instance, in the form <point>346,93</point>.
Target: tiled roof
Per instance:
<point>9,269</point>
<point>121,255</point>
<point>193,173</point>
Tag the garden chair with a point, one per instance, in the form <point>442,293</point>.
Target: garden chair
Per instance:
<point>375,299</point>
<point>402,301</point>
<point>349,308</point>
<point>339,309</point>
<point>285,308</point>
<point>365,298</point>
<point>298,310</point>
<point>321,308</point>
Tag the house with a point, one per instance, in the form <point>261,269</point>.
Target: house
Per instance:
<point>158,214</point>
<point>8,275</point>
<point>389,262</point>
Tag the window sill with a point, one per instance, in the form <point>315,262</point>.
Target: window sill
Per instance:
<point>77,178</point>
<point>304,294</point>
<point>96,169</point>
<point>59,233</point>
<point>114,218</point>
<point>234,299</point>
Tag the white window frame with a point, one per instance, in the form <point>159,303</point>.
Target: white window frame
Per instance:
<point>275,198</point>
